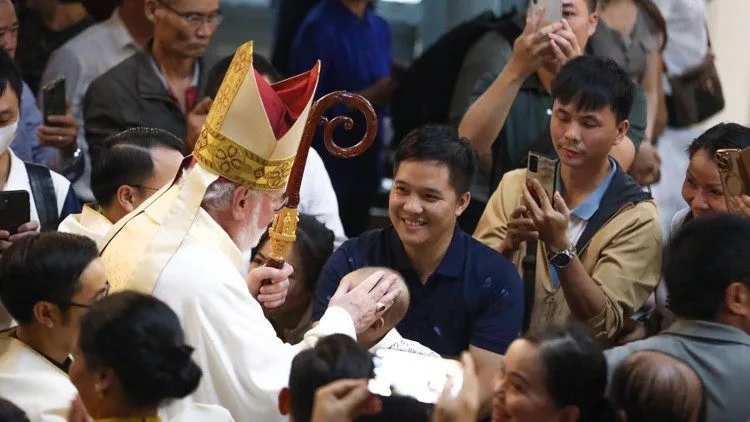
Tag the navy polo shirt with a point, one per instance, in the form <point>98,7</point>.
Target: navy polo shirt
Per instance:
<point>475,297</point>
<point>354,54</point>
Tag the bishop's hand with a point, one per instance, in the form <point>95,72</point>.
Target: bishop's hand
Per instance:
<point>369,300</point>
<point>271,295</point>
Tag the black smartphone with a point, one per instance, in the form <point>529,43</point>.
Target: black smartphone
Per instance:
<point>14,210</point>
<point>54,99</point>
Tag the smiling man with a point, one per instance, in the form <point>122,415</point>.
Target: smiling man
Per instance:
<point>464,295</point>
<point>600,232</point>
<point>159,86</point>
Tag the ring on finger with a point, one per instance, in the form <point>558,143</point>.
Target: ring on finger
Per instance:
<point>379,306</point>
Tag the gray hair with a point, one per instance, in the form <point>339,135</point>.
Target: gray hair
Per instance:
<point>218,196</point>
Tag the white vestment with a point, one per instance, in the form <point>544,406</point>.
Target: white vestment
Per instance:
<point>89,223</point>
<point>32,382</point>
<point>244,363</point>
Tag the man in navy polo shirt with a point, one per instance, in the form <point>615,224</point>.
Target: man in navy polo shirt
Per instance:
<point>464,295</point>
<point>353,44</point>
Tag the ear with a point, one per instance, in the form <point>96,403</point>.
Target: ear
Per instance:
<point>46,314</point>
<point>125,197</point>
<point>377,325</point>
<point>150,9</point>
<point>593,23</point>
<point>463,203</point>
<point>285,401</point>
<point>622,131</point>
<point>737,299</point>
<point>240,202</point>
<point>569,414</point>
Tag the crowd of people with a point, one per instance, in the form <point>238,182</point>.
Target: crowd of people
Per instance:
<point>621,294</point>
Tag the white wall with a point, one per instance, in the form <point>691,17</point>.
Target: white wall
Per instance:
<point>728,23</point>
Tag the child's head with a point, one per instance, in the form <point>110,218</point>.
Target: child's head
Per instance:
<point>391,317</point>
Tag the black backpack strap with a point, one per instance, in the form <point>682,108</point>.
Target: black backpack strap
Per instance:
<point>43,190</point>
<point>529,282</point>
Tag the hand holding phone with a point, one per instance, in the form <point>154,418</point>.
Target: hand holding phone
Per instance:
<point>733,175</point>
<point>53,95</point>
<point>552,10</point>
<point>543,169</point>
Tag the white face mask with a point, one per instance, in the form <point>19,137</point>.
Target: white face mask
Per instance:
<point>7,134</point>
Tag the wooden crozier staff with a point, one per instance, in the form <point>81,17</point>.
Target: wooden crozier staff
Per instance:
<point>283,231</point>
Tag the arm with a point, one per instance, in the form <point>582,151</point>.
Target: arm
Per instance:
<point>318,198</point>
<point>653,90</point>
<point>498,325</point>
<point>245,365</point>
<point>624,152</point>
<point>487,365</point>
<point>485,118</point>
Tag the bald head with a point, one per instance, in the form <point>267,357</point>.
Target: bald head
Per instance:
<point>652,386</point>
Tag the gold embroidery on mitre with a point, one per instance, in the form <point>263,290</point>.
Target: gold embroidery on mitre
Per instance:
<point>229,159</point>
<point>235,76</point>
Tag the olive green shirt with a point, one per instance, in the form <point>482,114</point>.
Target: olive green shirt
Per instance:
<point>528,121</point>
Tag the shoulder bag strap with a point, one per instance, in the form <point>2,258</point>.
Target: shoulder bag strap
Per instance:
<point>44,194</point>
<point>529,282</point>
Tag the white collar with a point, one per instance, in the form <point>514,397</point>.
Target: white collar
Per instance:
<point>391,337</point>
<point>17,176</point>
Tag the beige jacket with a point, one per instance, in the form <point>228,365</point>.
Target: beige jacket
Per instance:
<point>623,256</point>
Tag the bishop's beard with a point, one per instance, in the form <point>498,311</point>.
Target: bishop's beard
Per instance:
<point>250,235</point>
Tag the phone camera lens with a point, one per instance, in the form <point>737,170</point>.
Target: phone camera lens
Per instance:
<point>533,164</point>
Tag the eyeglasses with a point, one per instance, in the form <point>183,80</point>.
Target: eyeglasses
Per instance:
<point>278,201</point>
<point>144,187</point>
<point>195,20</point>
<point>104,292</point>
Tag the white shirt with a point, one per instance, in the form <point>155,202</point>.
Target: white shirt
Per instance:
<point>82,59</point>
<point>18,179</point>
<point>318,198</point>
<point>244,364</point>
<point>687,38</point>
<point>33,383</point>
<point>394,341</point>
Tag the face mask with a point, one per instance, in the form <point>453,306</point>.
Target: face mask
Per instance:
<point>7,134</point>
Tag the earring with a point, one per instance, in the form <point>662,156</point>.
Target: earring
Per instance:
<point>99,390</point>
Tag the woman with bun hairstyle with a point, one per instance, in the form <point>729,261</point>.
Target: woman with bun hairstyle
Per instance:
<point>557,374</point>
<point>131,358</point>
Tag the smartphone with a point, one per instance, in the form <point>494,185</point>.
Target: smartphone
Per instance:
<point>14,210</point>
<point>553,10</point>
<point>732,173</point>
<point>54,99</point>
<point>543,169</point>
<point>419,377</point>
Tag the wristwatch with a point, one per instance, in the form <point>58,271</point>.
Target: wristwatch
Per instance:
<point>562,258</point>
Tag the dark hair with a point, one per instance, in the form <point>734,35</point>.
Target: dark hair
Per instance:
<point>593,83</point>
<point>443,145</point>
<point>721,136</point>
<point>126,160</point>
<point>45,267</point>
<point>576,370</point>
<point>652,389</point>
<point>141,339</point>
<point>219,70</point>
<point>314,245</point>
<point>10,76</point>
<point>333,358</point>
<point>9,412</point>
<point>704,257</point>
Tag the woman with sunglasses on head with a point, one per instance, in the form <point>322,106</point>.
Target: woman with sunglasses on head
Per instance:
<point>131,359</point>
